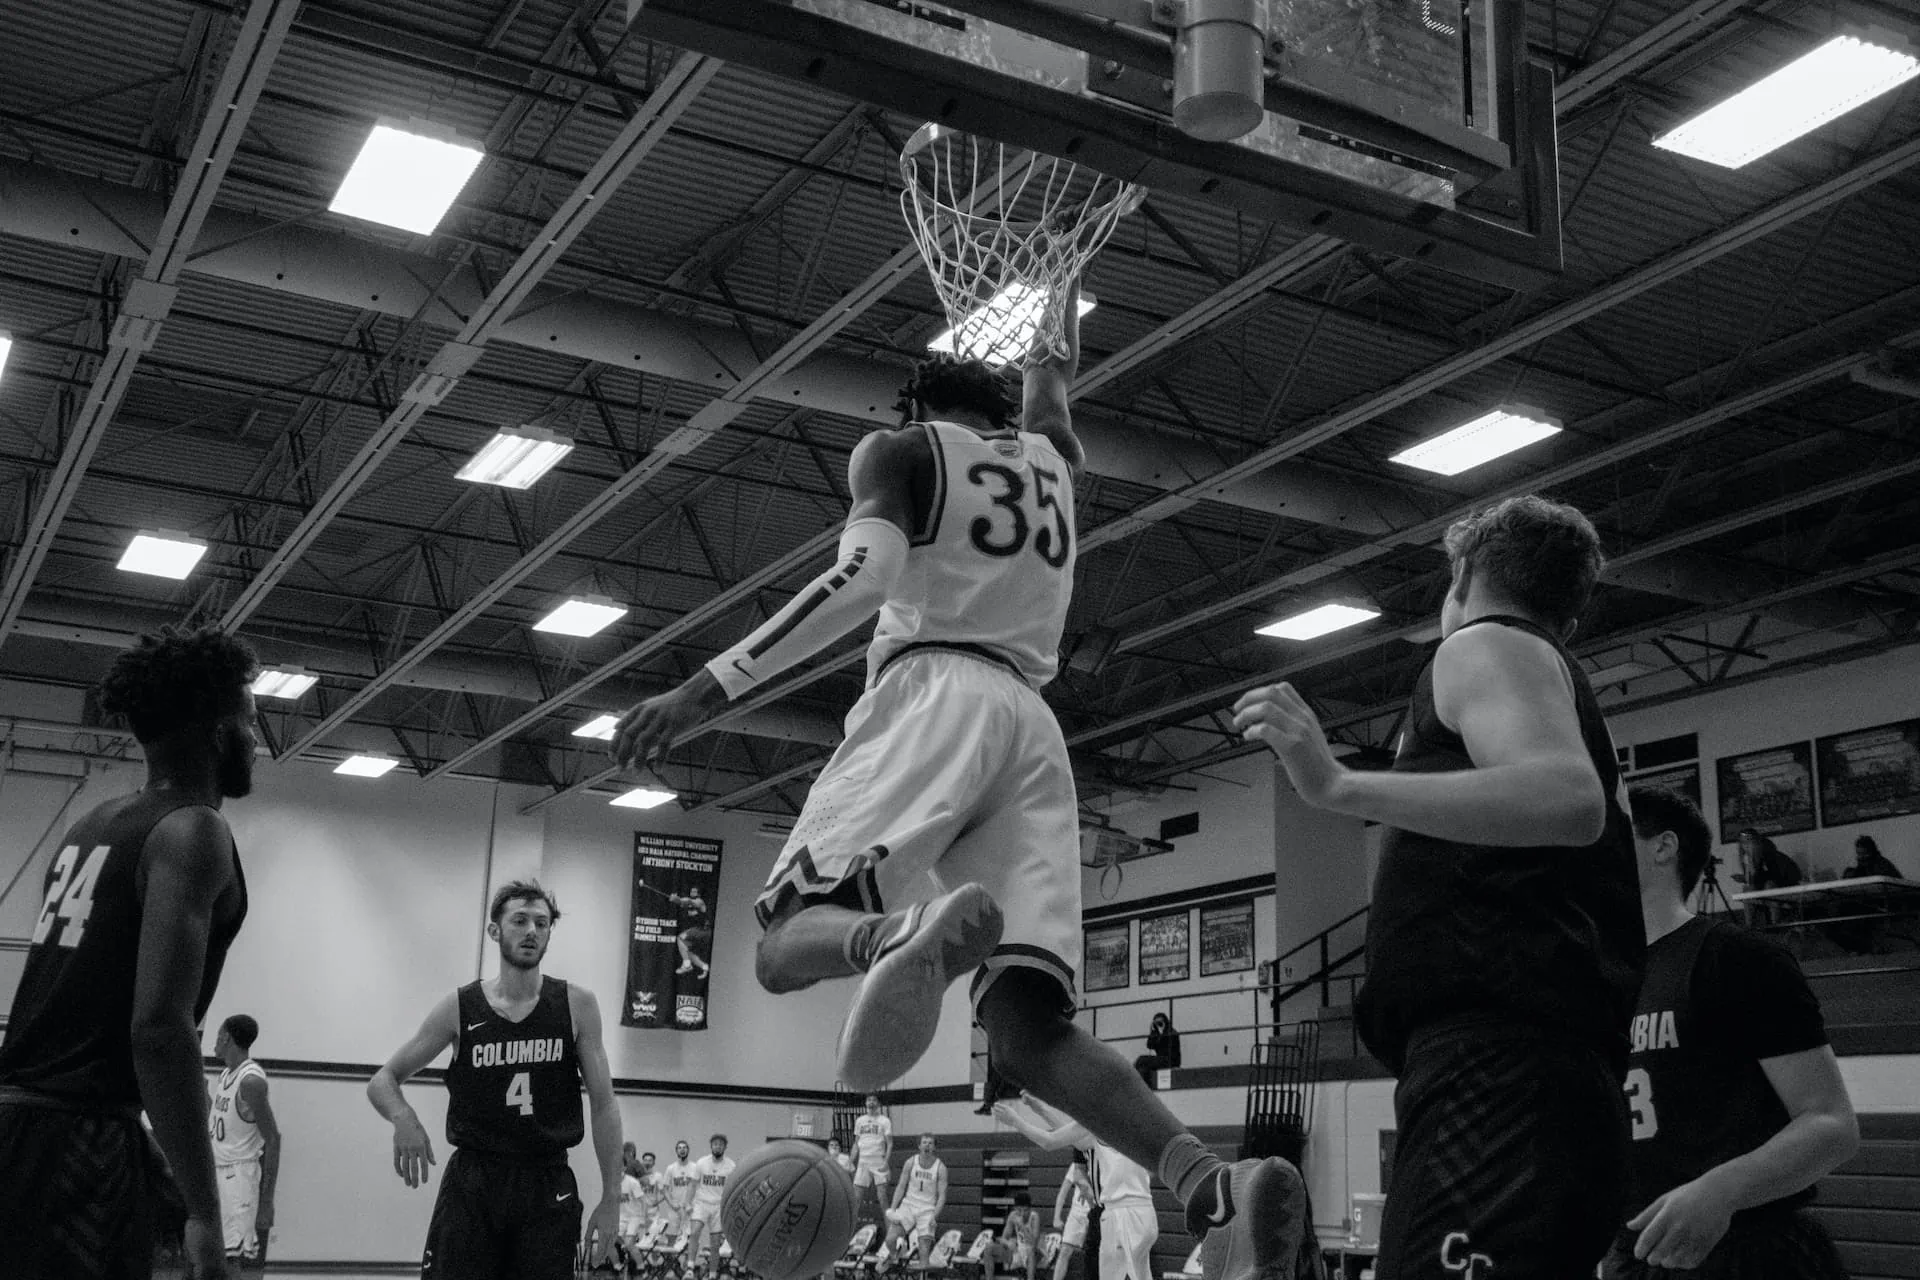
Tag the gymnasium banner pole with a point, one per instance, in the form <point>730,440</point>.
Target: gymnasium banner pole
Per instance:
<point>676,885</point>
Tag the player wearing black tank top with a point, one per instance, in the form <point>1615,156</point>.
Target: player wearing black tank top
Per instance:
<point>1736,1101</point>
<point>523,1047</point>
<point>1504,944</point>
<point>140,904</point>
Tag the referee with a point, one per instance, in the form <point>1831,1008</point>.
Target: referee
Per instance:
<point>1735,1098</point>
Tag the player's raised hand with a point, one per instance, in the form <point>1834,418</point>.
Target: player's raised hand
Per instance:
<point>1277,715</point>
<point>647,730</point>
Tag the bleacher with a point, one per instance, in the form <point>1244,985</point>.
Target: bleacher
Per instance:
<point>1871,1204</point>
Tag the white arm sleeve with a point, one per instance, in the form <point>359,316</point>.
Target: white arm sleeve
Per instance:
<point>873,554</point>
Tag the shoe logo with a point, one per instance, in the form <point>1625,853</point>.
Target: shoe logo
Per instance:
<point>1222,1199</point>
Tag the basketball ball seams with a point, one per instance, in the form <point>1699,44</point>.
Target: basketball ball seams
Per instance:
<point>788,1211</point>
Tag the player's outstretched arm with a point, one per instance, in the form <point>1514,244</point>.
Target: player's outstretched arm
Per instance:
<point>873,554</point>
<point>603,1224</point>
<point>1044,1126</point>
<point>186,864</point>
<point>1508,696</point>
<point>412,1148</point>
<point>1047,386</point>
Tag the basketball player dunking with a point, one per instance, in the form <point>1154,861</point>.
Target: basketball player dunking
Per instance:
<point>523,1045</point>
<point>1735,1098</point>
<point>1504,945</point>
<point>961,535</point>
<point>246,1142</point>
<point>139,908</point>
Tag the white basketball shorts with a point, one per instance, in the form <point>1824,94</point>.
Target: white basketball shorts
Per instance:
<point>1127,1233</point>
<point>868,1175</point>
<point>915,1220</point>
<point>1074,1234</point>
<point>239,1201</point>
<point>704,1216</point>
<point>953,771</point>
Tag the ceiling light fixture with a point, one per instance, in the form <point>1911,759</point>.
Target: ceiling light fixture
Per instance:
<point>287,683</point>
<point>582,616</point>
<point>1319,621</point>
<point>1489,436</point>
<point>162,553</point>
<point>516,457</point>
<point>366,766</point>
<point>600,727</point>
<point>643,798</point>
<point>407,175</point>
<point>1001,330</point>
<point>1850,69</point>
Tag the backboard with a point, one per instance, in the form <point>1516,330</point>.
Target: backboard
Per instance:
<point>1414,127</point>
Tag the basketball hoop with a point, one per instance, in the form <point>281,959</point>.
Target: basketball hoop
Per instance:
<point>1004,231</point>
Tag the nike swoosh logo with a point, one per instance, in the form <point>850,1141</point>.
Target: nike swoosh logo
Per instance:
<point>475,1026</point>
<point>562,1196</point>
<point>1222,1203</point>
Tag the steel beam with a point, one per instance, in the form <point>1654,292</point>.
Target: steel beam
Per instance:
<point>150,296</point>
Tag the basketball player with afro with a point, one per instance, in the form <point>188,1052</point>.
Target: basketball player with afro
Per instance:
<point>961,536</point>
<point>140,906</point>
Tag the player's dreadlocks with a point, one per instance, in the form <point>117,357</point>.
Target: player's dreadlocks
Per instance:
<point>944,381</point>
<point>176,677</point>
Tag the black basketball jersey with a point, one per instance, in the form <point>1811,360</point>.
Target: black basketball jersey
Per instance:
<point>1717,999</point>
<point>70,1033</point>
<point>1544,936</point>
<point>513,1088</point>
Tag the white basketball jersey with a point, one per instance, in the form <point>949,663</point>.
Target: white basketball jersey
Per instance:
<point>234,1140</point>
<point>992,570</point>
<point>873,1139</point>
<point>923,1183</point>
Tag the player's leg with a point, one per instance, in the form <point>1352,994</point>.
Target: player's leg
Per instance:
<point>239,1187</point>
<point>1142,1230</point>
<point>543,1209</point>
<point>1025,853</point>
<point>923,1231</point>
<point>465,1239</point>
<point>74,1191</point>
<point>1511,1160</point>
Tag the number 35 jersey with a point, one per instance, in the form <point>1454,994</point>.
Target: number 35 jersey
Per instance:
<point>513,1088</point>
<point>991,569</point>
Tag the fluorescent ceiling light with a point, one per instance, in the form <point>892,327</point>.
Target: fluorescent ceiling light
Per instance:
<point>582,616</point>
<point>1618,673</point>
<point>516,457</point>
<point>407,176</point>
<point>1001,331</point>
<point>600,727</point>
<point>643,798</point>
<point>162,553</point>
<point>1319,621</point>
<point>1493,433</point>
<point>1817,87</point>
<point>364,766</point>
<point>6,346</point>
<point>283,682</point>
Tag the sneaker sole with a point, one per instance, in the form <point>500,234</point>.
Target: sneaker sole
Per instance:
<point>1269,1225</point>
<point>897,1008</point>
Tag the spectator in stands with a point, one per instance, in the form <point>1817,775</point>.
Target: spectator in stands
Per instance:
<point>1163,1049</point>
<point>839,1156</point>
<point>1018,1247</point>
<point>1734,1097</point>
<point>1072,1214</point>
<point>1869,861</point>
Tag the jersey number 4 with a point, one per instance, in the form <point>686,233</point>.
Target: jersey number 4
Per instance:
<point>70,894</point>
<point>520,1092</point>
<point>1053,541</point>
<point>1639,1090</point>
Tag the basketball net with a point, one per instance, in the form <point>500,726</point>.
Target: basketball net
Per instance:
<point>1004,231</point>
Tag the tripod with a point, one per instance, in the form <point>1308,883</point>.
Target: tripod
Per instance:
<point>1709,892</point>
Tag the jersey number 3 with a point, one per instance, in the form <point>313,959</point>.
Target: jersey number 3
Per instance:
<point>520,1092</point>
<point>1053,541</point>
<point>70,894</point>
<point>1639,1090</point>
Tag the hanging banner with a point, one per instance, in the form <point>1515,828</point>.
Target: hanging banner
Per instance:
<point>676,882</point>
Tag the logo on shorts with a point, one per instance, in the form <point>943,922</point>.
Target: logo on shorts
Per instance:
<point>690,1010</point>
<point>1456,1255</point>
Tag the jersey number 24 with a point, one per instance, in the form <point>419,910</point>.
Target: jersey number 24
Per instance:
<point>1053,541</point>
<point>70,895</point>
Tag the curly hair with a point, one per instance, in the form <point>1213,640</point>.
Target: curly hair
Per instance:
<point>1543,556</point>
<point>944,381</point>
<point>243,1029</point>
<point>519,890</point>
<point>176,677</point>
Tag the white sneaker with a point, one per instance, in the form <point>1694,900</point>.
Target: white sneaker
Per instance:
<point>916,956</point>
<point>1265,1210</point>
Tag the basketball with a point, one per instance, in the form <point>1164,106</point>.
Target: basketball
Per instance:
<point>789,1211</point>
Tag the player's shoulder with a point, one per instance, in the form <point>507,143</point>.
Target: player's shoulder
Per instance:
<point>1735,949</point>
<point>900,446</point>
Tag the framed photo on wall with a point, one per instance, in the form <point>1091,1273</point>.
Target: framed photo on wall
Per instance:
<point>1166,944</point>
<point>1105,960</point>
<point>1770,791</point>
<point>1683,779</point>
<point>1869,773</point>
<point>1226,938</point>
